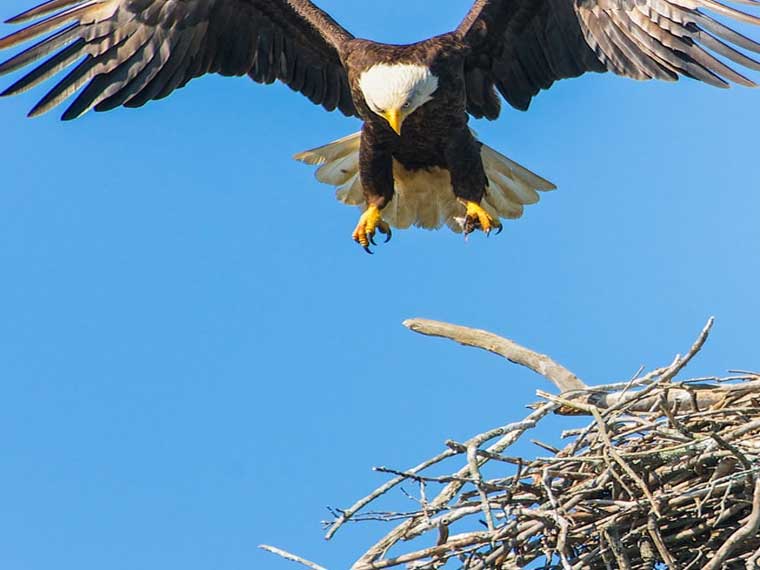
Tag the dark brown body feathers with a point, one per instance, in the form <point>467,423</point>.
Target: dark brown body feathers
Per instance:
<point>435,135</point>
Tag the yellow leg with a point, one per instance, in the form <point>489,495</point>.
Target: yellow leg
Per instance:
<point>370,222</point>
<point>477,218</point>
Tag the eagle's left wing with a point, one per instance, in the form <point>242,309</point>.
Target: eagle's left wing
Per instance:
<point>522,46</point>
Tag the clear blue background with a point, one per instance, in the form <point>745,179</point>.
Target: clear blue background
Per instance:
<point>196,358</point>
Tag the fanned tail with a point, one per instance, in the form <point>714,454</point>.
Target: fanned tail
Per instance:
<point>424,198</point>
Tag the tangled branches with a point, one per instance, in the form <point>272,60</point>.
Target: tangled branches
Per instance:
<point>666,472</point>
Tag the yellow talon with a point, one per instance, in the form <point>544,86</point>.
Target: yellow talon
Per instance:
<point>477,218</point>
<point>370,222</point>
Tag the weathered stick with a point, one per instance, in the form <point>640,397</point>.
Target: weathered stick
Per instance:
<point>541,364</point>
<point>680,399</point>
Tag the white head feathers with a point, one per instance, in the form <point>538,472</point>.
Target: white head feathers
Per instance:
<point>402,87</point>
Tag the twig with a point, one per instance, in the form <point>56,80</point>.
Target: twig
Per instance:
<point>422,478</point>
<point>746,531</point>
<point>752,561</point>
<point>654,532</point>
<point>472,462</point>
<point>695,348</point>
<point>361,503</point>
<point>450,491</point>
<point>458,541</point>
<point>618,549</point>
<point>291,557</point>
<point>622,462</point>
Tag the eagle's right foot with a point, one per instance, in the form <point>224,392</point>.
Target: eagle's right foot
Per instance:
<point>477,218</point>
<point>370,222</point>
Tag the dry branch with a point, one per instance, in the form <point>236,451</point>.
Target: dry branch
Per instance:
<point>292,557</point>
<point>541,364</point>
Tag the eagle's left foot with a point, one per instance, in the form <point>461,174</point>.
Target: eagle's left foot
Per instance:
<point>370,222</point>
<point>476,218</point>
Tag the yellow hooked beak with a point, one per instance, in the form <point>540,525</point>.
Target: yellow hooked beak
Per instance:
<point>394,118</point>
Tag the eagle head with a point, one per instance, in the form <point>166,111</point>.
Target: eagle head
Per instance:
<point>395,91</point>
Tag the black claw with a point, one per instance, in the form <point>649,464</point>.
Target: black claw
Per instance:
<point>499,228</point>
<point>368,250</point>
<point>372,239</point>
<point>386,232</point>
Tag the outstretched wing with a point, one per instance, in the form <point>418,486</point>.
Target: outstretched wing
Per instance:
<point>522,46</point>
<point>127,52</point>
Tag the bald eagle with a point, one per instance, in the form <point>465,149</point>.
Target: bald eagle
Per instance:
<point>415,161</point>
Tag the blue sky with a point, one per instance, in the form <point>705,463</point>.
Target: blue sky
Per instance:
<point>196,358</point>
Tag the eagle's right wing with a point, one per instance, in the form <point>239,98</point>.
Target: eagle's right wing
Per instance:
<point>127,52</point>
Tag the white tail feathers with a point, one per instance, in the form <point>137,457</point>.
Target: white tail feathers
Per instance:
<point>424,198</point>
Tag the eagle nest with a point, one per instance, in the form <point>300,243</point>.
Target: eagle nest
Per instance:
<point>665,475</point>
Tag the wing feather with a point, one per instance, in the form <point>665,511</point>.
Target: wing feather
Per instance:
<point>41,10</point>
<point>127,52</point>
<point>721,48</point>
<point>41,49</point>
<point>153,63</point>
<point>48,68</point>
<point>523,46</point>
<point>111,80</point>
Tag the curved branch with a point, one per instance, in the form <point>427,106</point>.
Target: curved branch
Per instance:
<point>541,364</point>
